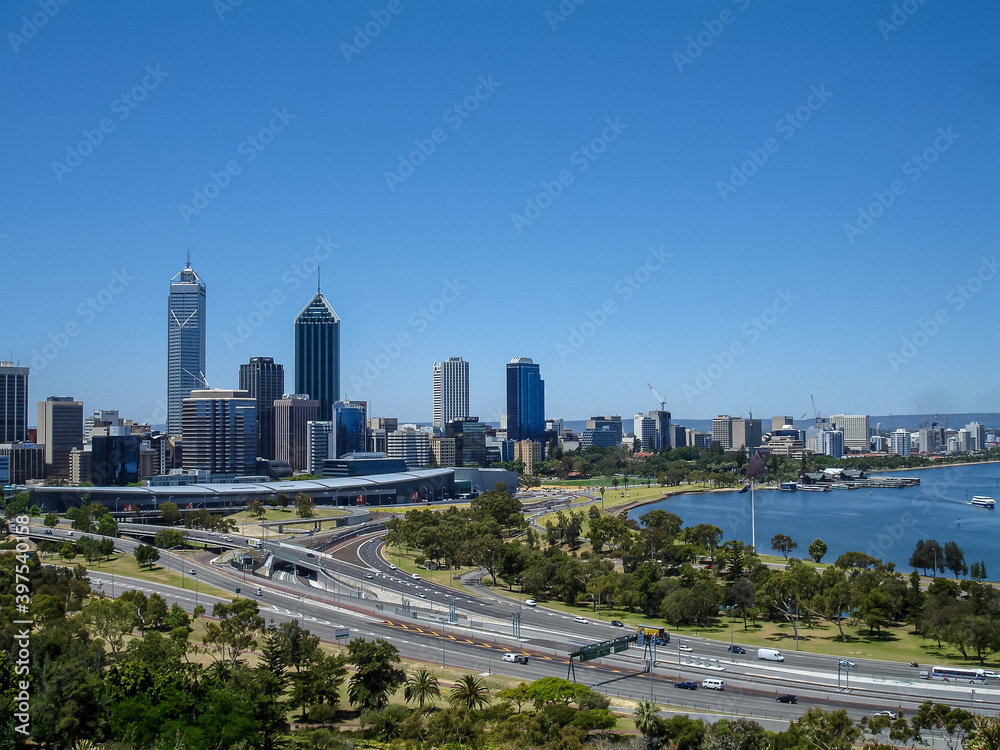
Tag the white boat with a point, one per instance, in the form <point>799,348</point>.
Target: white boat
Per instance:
<point>814,488</point>
<point>983,502</point>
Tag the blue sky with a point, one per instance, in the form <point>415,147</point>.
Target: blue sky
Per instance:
<point>628,193</point>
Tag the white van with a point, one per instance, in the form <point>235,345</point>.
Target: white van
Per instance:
<point>769,654</point>
<point>713,685</point>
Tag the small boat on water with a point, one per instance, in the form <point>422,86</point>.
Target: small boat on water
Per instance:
<point>814,488</point>
<point>983,502</point>
<point>788,487</point>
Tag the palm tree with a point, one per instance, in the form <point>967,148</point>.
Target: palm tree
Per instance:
<point>647,721</point>
<point>422,687</point>
<point>470,692</point>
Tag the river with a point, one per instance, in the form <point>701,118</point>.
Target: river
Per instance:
<point>883,523</point>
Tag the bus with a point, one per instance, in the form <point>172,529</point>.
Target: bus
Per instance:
<point>958,674</point>
<point>659,635</point>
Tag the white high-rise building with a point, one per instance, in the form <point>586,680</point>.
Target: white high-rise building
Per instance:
<point>856,431</point>
<point>825,441</point>
<point>318,445</point>
<point>645,429</point>
<point>451,391</point>
<point>977,439</point>
<point>899,442</point>
<point>411,445</point>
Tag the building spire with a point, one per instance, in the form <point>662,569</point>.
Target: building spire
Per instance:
<point>189,258</point>
<point>317,280</point>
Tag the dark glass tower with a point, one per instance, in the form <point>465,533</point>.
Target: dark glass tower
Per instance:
<point>264,380</point>
<point>185,342</point>
<point>525,401</point>
<point>317,353</point>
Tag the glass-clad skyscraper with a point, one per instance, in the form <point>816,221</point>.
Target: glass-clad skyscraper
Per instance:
<point>264,380</point>
<point>185,342</point>
<point>525,401</point>
<point>317,354</point>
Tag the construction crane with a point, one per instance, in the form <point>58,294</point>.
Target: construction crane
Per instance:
<point>814,408</point>
<point>658,397</point>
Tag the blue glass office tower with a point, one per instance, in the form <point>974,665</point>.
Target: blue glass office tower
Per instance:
<point>350,432</point>
<point>525,401</point>
<point>317,353</point>
<point>185,342</point>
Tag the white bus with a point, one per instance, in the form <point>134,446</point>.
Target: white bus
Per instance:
<point>957,674</point>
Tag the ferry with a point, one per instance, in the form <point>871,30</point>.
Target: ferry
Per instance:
<point>788,487</point>
<point>983,502</point>
<point>814,488</point>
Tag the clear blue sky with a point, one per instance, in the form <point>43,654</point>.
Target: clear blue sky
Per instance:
<point>833,304</point>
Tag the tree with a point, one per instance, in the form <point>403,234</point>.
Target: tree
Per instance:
<point>985,734</point>
<point>169,512</point>
<point>783,544</point>
<point>303,505</point>
<point>648,722</point>
<point>146,555</point>
<point>256,509</point>
<point>282,500</point>
<point>111,620</point>
<point>928,556</point>
<point>236,630</point>
<point>106,547</point>
<point>376,677</point>
<point>67,551</point>
<point>107,526</point>
<point>470,693</point>
<point>550,690</point>
<point>422,687</point>
<point>168,538</point>
<point>817,548</point>
<point>51,519</point>
<point>954,558</point>
<point>977,571</point>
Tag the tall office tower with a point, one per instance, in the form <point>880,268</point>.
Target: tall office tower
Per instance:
<point>318,439</point>
<point>856,432</point>
<point>663,435</point>
<point>899,442</point>
<point>219,429</point>
<point>60,430</point>
<point>185,343</point>
<point>292,414</point>
<point>264,380</point>
<point>25,461</point>
<point>317,353</point>
<point>722,431</point>
<point>114,456</point>
<point>746,433</point>
<point>644,428</point>
<point>413,446</point>
<point>350,432</point>
<point>825,441</point>
<point>470,440</point>
<point>529,452</point>
<point>102,419</point>
<point>678,436</point>
<point>978,439</point>
<point>525,401</point>
<point>13,403</point>
<point>778,422</point>
<point>451,391</point>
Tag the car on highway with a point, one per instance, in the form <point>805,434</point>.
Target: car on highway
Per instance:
<point>259,592</point>
<point>422,595</point>
<point>310,554</point>
<point>888,714</point>
<point>584,620</point>
<point>193,572</point>
<point>530,602</point>
<point>48,531</point>
<point>369,575</point>
<point>69,533</point>
<point>415,576</point>
<point>517,658</point>
<point>617,624</point>
<point>736,650</point>
<point>391,566</point>
<point>685,648</point>
<point>686,685</point>
<point>787,699</point>
<point>847,663</point>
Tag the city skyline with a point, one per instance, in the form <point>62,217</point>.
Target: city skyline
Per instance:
<point>670,216</point>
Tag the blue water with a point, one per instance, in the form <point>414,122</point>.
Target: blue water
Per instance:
<point>883,523</point>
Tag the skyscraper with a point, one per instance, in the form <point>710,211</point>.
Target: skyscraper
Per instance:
<point>525,401</point>
<point>292,415</point>
<point>350,431</point>
<point>60,430</point>
<point>317,353</point>
<point>856,430</point>
<point>265,381</point>
<point>451,391</point>
<point>220,432</point>
<point>13,403</point>
<point>185,343</point>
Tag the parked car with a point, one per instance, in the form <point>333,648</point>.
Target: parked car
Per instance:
<point>891,715</point>
<point>686,685</point>
<point>530,602</point>
<point>580,619</point>
<point>617,624</point>
<point>736,650</point>
<point>787,699</point>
